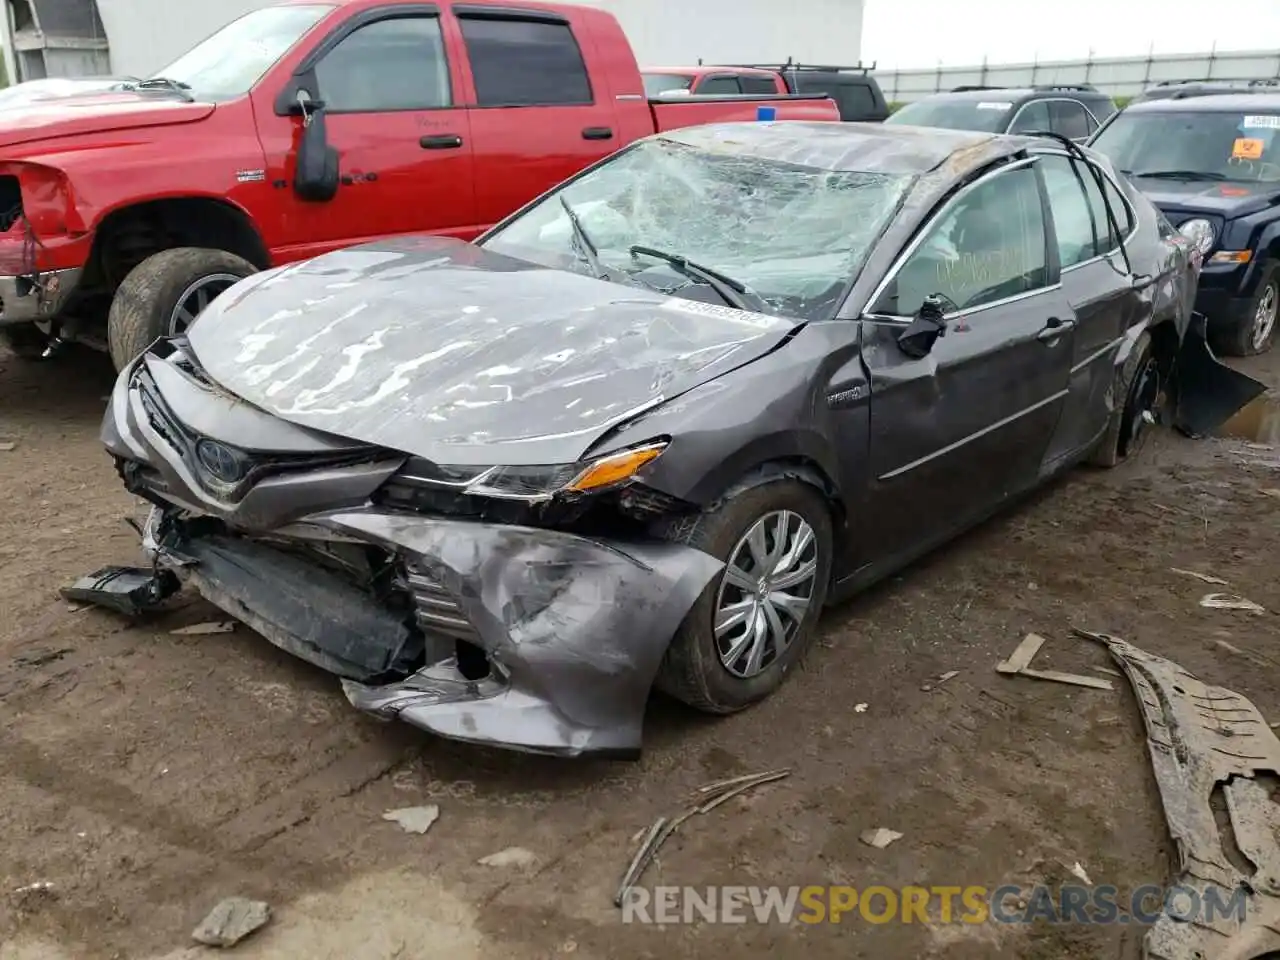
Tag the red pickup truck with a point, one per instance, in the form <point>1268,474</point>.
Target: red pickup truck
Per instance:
<point>301,128</point>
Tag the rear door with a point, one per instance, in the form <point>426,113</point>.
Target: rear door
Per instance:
<point>404,153</point>
<point>959,431</point>
<point>536,118</point>
<point>1100,290</point>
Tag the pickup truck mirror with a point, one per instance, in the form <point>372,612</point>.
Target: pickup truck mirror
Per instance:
<point>316,179</point>
<point>925,328</point>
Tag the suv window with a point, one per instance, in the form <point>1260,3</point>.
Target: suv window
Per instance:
<point>718,86</point>
<point>524,63</point>
<point>756,86</point>
<point>394,64</point>
<point>1033,116</point>
<point>1069,119</point>
<point>987,245</point>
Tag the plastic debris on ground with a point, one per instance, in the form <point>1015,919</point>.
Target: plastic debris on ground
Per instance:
<point>231,921</point>
<point>1227,601</point>
<point>1019,664</point>
<point>880,837</point>
<point>414,819</point>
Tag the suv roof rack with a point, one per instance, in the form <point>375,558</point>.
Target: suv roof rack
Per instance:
<point>1221,82</point>
<point>1079,87</point>
<point>792,66</point>
<point>971,87</point>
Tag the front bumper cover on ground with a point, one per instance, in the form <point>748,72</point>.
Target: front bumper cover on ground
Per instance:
<point>574,629</point>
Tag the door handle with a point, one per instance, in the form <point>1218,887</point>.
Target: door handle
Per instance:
<point>1054,328</point>
<point>445,141</point>
<point>597,133</point>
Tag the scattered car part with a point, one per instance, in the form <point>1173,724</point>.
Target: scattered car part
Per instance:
<point>414,819</point>
<point>1208,392</point>
<point>206,629</point>
<point>663,828</point>
<point>1019,664</point>
<point>880,837</point>
<point>128,590</point>
<point>1204,577</point>
<point>1227,601</point>
<point>231,921</point>
<point>1215,762</point>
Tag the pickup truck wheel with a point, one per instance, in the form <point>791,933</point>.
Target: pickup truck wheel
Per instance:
<point>1135,392</point>
<point>162,296</point>
<point>26,341</point>
<point>753,623</point>
<point>1252,331</point>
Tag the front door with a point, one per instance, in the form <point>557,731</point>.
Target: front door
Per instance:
<point>957,432</point>
<point>405,154</point>
<point>537,117</point>
<point>1100,290</point>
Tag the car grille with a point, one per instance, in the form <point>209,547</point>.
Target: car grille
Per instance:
<point>435,609</point>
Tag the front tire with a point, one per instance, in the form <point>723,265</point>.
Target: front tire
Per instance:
<point>1254,331</point>
<point>162,296</point>
<point>754,622</point>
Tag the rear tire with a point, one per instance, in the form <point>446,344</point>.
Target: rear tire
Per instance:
<point>163,294</point>
<point>1255,330</point>
<point>25,341</point>
<point>695,669</point>
<point>1134,396</point>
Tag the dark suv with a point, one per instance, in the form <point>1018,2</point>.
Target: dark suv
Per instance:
<point>1212,166</point>
<point>1071,110</point>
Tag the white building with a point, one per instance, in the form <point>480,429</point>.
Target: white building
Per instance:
<point>138,37</point>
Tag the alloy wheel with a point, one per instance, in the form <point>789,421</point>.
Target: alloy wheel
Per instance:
<point>196,297</point>
<point>765,593</point>
<point>1264,317</point>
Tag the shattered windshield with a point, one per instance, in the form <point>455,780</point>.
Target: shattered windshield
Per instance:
<point>1194,145</point>
<point>228,64</point>
<point>656,84</point>
<point>793,236</point>
<point>989,116</point>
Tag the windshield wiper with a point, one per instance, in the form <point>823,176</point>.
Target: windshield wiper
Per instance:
<point>181,89</point>
<point>1179,175</point>
<point>584,243</point>
<point>731,291</point>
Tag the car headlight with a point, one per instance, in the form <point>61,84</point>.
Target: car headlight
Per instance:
<point>533,483</point>
<point>1201,234</point>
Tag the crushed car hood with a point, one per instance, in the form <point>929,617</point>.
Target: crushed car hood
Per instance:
<point>92,113</point>
<point>1198,196</point>
<point>444,350</point>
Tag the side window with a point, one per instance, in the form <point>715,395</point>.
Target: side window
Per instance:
<point>525,63</point>
<point>758,86</point>
<point>855,99</point>
<point>1033,116</point>
<point>395,64</point>
<point>1075,219</point>
<point>1068,118</point>
<point>718,86</point>
<point>1123,217</point>
<point>986,245</point>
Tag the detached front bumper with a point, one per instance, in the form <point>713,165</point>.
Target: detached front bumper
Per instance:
<point>570,631</point>
<point>25,299</point>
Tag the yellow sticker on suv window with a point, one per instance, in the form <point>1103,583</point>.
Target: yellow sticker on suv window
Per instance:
<point>1247,148</point>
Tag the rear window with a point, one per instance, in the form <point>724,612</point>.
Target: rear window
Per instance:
<point>656,84</point>
<point>989,115</point>
<point>852,95</point>
<point>524,63</point>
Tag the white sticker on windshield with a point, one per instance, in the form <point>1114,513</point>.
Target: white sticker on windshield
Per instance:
<point>994,105</point>
<point>1262,122</point>
<point>761,321</point>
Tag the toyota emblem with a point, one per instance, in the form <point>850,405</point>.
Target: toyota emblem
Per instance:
<point>222,463</point>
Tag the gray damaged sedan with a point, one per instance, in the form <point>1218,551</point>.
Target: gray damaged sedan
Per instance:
<point>644,429</point>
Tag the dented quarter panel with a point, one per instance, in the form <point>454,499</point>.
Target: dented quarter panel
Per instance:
<point>446,351</point>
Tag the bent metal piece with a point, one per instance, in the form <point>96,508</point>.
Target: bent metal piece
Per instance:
<point>1208,747</point>
<point>1209,393</point>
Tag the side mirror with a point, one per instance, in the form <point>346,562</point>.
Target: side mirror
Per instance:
<point>925,328</point>
<point>316,180</point>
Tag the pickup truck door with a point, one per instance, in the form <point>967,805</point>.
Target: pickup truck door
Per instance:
<point>406,163</point>
<point>955,433</point>
<point>537,117</point>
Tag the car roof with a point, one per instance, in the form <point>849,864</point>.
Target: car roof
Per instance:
<point>703,69</point>
<point>854,147</point>
<point>1016,94</point>
<point>1216,103</point>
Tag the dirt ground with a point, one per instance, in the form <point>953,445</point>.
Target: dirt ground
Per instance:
<point>145,776</point>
